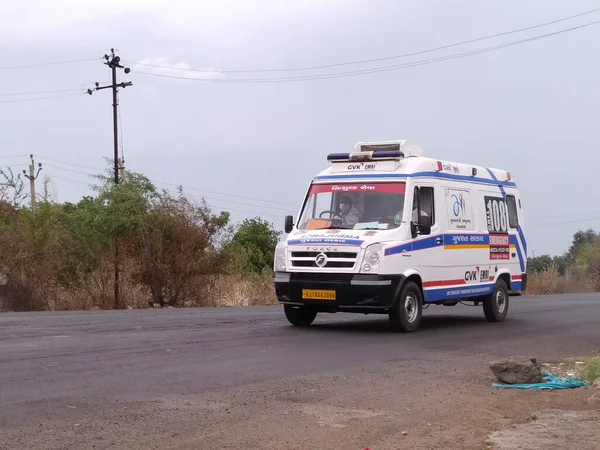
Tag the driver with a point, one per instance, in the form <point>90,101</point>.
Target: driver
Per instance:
<point>348,212</point>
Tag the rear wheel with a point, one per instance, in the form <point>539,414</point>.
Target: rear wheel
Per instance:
<point>495,305</point>
<point>406,314</point>
<point>299,316</point>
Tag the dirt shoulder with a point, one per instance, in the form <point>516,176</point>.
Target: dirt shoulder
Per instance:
<point>418,405</point>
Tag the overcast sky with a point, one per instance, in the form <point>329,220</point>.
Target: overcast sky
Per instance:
<point>532,109</point>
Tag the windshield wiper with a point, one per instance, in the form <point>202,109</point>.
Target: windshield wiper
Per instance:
<point>331,227</point>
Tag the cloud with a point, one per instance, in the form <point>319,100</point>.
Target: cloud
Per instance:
<point>163,67</point>
<point>188,16</point>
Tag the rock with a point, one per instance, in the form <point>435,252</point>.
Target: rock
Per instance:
<point>517,370</point>
<point>404,433</point>
<point>580,363</point>
<point>596,384</point>
<point>95,308</point>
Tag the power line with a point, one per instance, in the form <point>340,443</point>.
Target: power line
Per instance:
<point>39,92</point>
<point>562,215</point>
<point>222,208</point>
<point>163,182</point>
<point>39,98</point>
<point>66,179</point>
<point>569,221</point>
<point>250,198</point>
<point>373,70</point>
<point>386,58</point>
<point>54,63</point>
<point>187,187</point>
<point>13,156</point>
<point>227,208</point>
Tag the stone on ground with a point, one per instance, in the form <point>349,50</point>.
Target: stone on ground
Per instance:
<point>517,370</point>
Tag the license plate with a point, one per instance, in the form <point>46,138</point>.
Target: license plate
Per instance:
<point>314,294</point>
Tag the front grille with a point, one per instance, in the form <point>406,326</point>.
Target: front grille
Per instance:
<point>335,260</point>
<point>322,277</point>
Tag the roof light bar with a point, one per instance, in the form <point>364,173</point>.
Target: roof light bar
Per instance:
<point>365,156</point>
<point>408,148</point>
<point>389,154</point>
<point>338,157</point>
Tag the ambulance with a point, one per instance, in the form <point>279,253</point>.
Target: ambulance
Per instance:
<point>386,230</point>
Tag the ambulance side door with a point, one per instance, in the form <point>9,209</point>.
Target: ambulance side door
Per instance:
<point>427,240</point>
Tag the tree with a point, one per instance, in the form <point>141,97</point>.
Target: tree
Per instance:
<point>539,263</point>
<point>589,262</point>
<point>12,188</point>
<point>175,245</point>
<point>254,242</point>
<point>580,239</point>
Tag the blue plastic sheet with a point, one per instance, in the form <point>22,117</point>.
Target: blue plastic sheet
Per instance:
<point>550,382</point>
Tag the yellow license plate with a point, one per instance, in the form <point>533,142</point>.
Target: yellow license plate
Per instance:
<point>313,294</point>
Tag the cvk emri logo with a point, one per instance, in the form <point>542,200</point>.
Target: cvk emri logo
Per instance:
<point>482,275</point>
<point>362,166</point>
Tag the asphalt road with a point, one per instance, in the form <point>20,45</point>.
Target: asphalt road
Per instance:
<point>52,361</point>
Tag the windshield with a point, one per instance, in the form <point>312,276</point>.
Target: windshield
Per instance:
<point>358,206</point>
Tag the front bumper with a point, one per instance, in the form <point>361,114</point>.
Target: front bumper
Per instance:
<point>354,292</point>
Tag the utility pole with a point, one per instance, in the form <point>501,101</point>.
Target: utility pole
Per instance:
<point>113,62</point>
<point>31,177</point>
<point>122,170</point>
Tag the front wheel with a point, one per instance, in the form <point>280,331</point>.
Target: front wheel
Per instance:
<point>406,314</point>
<point>495,305</point>
<point>299,316</point>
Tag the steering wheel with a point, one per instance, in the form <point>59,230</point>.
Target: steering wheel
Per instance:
<point>332,215</point>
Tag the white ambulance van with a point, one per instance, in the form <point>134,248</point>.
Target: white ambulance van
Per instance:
<point>385,230</point>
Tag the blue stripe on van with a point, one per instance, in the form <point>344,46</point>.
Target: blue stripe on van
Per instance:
<point>455,239</point>
<point>326,241</point>
<point>474,290</point>
<point>521,235</point>
<point>447,176</point>
<point>513,240</point>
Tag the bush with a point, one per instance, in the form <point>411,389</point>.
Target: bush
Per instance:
<point>172,251</point>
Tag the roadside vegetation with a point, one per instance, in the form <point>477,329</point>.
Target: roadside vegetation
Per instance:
<point>173,251</point>
<point>585,368</point>
<point>577,271</point>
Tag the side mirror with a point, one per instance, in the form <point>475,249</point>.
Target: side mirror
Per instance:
<point>425,223</point>
<point>421,227</point>
<point>289,224</point>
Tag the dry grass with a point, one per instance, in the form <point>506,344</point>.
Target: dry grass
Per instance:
<point>233,290</point>
<point>589,370</point>
<point>218,290</point>
<point>550,281</point>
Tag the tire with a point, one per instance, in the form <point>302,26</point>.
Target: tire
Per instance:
<point>495,305</point>
<point>406,314</point>
<point>299,316</point>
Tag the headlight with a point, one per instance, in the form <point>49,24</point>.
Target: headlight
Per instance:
<point>279,263</point>
<point>372,258</point>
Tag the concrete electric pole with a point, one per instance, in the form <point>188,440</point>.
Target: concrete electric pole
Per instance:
<point>31,177</point>
<point>113,62</point>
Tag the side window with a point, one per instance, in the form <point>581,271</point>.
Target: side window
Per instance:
<point>423,206</point>
<point>513,216</point>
